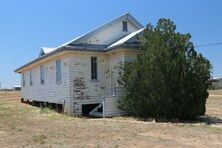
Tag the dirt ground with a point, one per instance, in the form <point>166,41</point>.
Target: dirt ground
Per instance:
<point>22,125</point>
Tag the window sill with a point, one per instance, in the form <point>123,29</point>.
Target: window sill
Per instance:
<point>94,80</point>
<point>59,82</point>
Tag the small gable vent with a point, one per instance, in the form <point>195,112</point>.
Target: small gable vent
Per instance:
<point>125,27</point>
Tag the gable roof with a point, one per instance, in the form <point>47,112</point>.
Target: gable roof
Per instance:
<point>94,31</point>
<point>75,45</point>
<point>126,15</point>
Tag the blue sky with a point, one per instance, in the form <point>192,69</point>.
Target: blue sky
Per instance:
<point>26,26</point>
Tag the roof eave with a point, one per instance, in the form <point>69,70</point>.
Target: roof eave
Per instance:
<point>18,70</point>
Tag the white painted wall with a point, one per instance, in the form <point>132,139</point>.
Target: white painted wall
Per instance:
<point>109,34</point>
<point>111,102</point>
<point>50,91</point>
<point>77,66</point>
<point>111,107</point>
<point>80,67</point>
<point>108,74</point>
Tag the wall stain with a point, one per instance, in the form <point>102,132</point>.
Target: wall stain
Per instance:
<point>79,87</point>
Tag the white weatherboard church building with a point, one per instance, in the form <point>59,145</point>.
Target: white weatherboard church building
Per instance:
<point>81,75</point>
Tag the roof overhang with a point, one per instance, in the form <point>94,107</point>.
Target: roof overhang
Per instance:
<point>18,70</point>
<point>67,49</point>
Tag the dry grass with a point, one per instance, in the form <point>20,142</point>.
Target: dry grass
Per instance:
<point>23,125</point>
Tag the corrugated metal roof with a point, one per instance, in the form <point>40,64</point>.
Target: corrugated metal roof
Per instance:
<point>47,49</point>
<point>125,39</point>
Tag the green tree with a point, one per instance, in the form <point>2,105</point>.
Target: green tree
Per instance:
<point>169,80</point>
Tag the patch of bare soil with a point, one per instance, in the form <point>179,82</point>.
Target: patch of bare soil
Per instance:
<point>22,125</point>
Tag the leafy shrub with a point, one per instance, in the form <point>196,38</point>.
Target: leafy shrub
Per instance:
<point>169,80</point>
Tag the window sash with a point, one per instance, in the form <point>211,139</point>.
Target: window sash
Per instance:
<point>42,74</point>
<point>58,71</point>
<point>23,79</point>
<point>93,68</point>
<point>30,74</point>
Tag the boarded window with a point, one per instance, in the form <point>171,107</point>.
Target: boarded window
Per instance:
<point>58,71</point>
<point>42,74</point>
<point>125,27</point>
<point>93,68</point>
<point>30,76</point>
<point>23,79</point>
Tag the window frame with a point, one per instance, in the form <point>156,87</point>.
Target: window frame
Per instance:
<point>23,79</point>
<point>94,68</point>
<point>58,71</point>
<point>42,74</point>
<point>30,78</point>
<point>125,26</point>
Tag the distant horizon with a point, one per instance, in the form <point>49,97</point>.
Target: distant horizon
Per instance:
<point>26,26</point>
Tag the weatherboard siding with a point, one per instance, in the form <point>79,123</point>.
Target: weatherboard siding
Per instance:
<point>50,91</point>
<point>115,60</point>
<point>110,34</point>
<point>76,87</point>
<point>117,91</point>
<point>86,91</point>
<point>112,107</point>
<point>83,89</point>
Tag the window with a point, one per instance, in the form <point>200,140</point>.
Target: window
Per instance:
<point>42,74</point>
<point>58,71</point>
<point>23,79</point>
<point>93,68</point>
<point>30,76</point>
<point>125,27</point>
